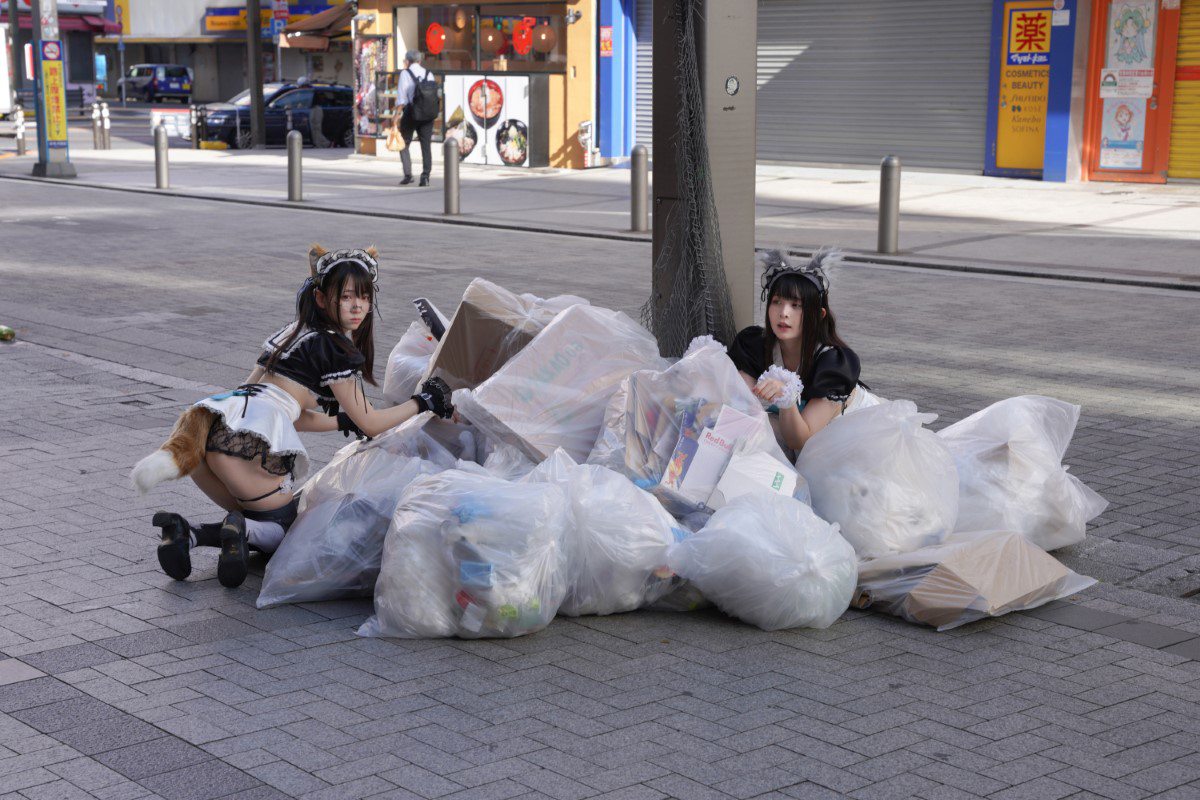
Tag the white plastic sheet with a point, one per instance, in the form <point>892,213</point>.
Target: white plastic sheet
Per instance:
<point>966,578</point>
<point>888,482</point>
<point>334,548</point>
<point>618,539</point>
<point>1011,477</point>
<point>408,362</point>
<point>770,561</point>
<point>473,556</point>
<point>553,392</point>
<point>644,419</point>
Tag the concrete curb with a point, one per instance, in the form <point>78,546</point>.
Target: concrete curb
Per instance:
<point>853,257</point>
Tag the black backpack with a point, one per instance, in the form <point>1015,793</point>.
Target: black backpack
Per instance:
<point>426,100</point>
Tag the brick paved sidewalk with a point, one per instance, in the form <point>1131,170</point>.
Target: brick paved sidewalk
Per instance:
<point>120,683</point>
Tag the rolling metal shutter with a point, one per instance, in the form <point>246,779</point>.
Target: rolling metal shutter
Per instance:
<point>643,73</point>
<point>849,81</point>
<point>1185,110</point>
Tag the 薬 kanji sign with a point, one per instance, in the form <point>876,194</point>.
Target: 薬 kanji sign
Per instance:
<point>1029,37</point>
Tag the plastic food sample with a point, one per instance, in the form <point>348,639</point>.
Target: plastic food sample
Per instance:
<point>770,561</point>
<point>888,482</point>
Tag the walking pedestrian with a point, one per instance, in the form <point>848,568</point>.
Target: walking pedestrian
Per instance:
<point>418,102</point>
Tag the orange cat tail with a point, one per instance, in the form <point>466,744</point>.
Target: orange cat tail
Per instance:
<point>181,453</point>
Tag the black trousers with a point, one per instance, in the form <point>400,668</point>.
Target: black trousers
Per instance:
<point>424,131</point>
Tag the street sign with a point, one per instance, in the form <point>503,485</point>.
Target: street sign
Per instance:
<point>51,51</point>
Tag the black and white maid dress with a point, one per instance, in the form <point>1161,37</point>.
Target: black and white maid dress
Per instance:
<point>257,420</point>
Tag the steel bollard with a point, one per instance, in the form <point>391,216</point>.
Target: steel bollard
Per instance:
<point>889,205</point>
<point>20,115</point>
<point>193,127</point>
<point>105,127</point>
<point>288,116</point>
<point>450,159</point>
<point>161,176</point>
<point>295,148</point>
<point>639,189</point>
<point>97,137</point>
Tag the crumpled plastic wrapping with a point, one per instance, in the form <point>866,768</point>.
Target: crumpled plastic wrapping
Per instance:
<point>968,577</point>
<point>643,419</point>
<point>618,539</point>
<point>334,548</point>
<point>473,556</point>
<point>490,326</point>
<point>888,482</point>
<point>553,393</point>
<point>1010,472</point>
<point>770,561</point>
<point>407,363</point>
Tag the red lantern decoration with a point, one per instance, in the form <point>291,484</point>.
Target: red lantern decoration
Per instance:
<point>522,36</point>
<point>435,39</point>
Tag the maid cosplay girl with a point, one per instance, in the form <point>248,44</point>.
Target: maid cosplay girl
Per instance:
<point>796,363</point>
<point>242,448</point>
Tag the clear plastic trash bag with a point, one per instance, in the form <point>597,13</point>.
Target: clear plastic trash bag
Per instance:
<point>618,539</point>
<point>644,419</point>
<point>968,577</point>
<point>473,556</point>
<point>890,484</point>
<point>553,392</point>
<point>408,363</point>
<point>334,548</point>
<point>770,561</point>
<point>490,326</point>
<point>1011,476</point>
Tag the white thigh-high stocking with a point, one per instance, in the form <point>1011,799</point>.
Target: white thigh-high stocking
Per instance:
<point>266,536</point>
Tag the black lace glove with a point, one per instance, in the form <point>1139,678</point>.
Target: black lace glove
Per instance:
<point>434,395</point>
<point>330,407</point>
<point>347,426</point>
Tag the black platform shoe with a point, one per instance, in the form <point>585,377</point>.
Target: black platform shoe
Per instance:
<point>174,550</point>
<point>232,563</point>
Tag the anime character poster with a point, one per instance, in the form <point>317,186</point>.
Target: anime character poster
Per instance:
<point>1131,33</point>
<point>1123,133</point>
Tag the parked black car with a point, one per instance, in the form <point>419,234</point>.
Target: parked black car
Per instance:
<point>230,122</point>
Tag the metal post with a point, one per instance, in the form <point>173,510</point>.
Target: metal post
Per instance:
<point>254,73</point>
<point>20,115</point>
<point>288,117</point>
<point>161,176</point>
<point>194,126</point>
<point>106,127</point>
<point>97,141</point>
<point>889,205</point>
<point>295,148</point>
<point>450,157</point>
<point>121,52</point>
<point>639,184</point>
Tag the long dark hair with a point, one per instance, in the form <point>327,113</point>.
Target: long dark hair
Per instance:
<point>816,329</point>
<point>310,315</point>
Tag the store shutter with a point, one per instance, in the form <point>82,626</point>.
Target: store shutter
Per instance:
<point>849,81</point>
<point>643,73</point>
<point>1185,110</point>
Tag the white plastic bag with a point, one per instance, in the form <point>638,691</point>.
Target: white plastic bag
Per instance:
<point>646,417</point>
<point>968,577</point>
<point>1010,472</point>
<point>553,392</point>
<point>618,536</point>
<point>408,363</point>
<point>888,482</point>
<point>334,548</point>
<point>770,561</point>
<point>473,556</point>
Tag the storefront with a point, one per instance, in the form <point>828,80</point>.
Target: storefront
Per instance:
<point>1184,159</point>
<point>517,78</point>
<point>80,22</point>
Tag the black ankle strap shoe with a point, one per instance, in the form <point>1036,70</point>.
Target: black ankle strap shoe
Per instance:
<point>232,563</point>
<point>174,550</point>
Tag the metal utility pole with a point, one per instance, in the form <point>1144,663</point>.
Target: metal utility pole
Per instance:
<point>121,53</point>
<point>254,73</point>
<point>50,93</point>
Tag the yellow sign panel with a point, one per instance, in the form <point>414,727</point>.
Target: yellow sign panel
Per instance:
<point>216,23</point>
<point>1024,85</point>
<point>55,89</point>
<point>122,11</point>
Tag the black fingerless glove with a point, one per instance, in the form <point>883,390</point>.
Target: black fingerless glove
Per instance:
<point>328,406</point>
<point>347,426</point>
<point>434,395</point>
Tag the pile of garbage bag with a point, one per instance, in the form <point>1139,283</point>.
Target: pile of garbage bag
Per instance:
<point>585,475</point>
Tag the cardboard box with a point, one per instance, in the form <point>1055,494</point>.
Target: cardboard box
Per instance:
<point>490,326</point>
<point>987,576</point>
<point>754,472</point>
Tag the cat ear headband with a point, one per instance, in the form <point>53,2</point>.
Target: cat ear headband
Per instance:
<point>818,270</point>
<point>321,261</point>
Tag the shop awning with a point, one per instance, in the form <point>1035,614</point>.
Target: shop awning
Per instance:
<point>72,22</point>
<point>314,33</point>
